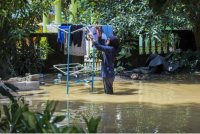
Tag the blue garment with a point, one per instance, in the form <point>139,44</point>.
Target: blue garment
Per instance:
<point>108,30</point>
<point>107,67</point>
<point>61,34</point>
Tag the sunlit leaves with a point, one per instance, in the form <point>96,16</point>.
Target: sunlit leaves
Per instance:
<point>21,120</point>
<point>19,18</point>
<point>92,124</point>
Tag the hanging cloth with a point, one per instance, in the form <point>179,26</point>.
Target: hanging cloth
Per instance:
<point>65,43</point>
<point>94,32</point>
<point>61,34</point>
<point>76,38</point>
<point>75,49</point>
<point>108,30</point>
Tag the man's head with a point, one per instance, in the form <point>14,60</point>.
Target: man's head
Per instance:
<point>113,41</point>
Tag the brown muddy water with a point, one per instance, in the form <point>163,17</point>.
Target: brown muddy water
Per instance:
<point>161,104</point>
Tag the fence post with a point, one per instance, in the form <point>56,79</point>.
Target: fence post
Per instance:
<point>162,51</point>
<point>150,45</point>
<point>143,43</point>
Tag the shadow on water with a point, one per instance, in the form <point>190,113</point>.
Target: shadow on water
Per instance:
<point>127,92</point>
<point>133,117</point>
<point>35,94</point>
<point>121,91</point>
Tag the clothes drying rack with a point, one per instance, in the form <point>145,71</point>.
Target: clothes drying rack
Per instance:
<point>60,67</point>
<point>74,69</point>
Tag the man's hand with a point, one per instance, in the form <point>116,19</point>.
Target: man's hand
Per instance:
<point>90,35</point>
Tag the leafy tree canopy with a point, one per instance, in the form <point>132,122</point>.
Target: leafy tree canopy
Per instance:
<point>18,18</point>
<point>189,10</point>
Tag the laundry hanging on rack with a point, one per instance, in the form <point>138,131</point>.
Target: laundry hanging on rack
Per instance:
<point>65,43</point>
<point>75,49</point>
<point>103,37</point>
<point>94,32</point>
<point>61,35</point>
<point>66,40</point>
<point>76,38</point>
<point>108,30</point>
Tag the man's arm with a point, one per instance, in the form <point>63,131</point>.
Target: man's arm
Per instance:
<point>103,48</point>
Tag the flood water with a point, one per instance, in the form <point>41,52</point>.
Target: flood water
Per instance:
<point>133,117</point>
<point>160,105</point>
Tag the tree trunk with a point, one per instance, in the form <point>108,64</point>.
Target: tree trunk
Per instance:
<point>197,37</point>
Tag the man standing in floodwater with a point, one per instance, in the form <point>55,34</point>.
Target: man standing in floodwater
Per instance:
<point>109,50</point>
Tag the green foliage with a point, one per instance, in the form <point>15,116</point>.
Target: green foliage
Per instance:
<point>174,11</point>
<point>65,10</point>
<point>19,19</point>
<point>187,60</point>
<point>159,5</point>
<point>92,124</point>
<point>29,59</point>
<point>6,90</point>
<point>133,17</point>
<point>17,118</point>
<point>125,53</point>
<point>184,12</point>
<point>119,69</point>
<point>130,18</point>
<point>169,38</point>
<point>45,49</point>
<point>127,18</point>
<point>10,120</point>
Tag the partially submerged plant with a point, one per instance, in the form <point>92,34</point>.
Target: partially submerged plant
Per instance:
<point>17,118</point>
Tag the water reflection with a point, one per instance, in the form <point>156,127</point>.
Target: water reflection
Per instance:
<point>163,104</point>
<point>134,117</point>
